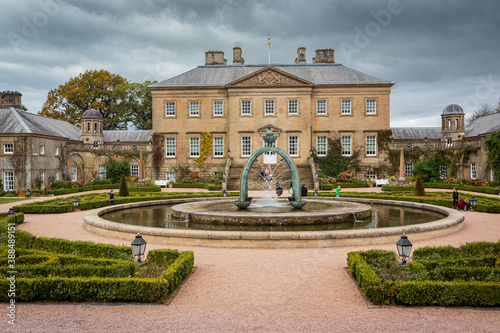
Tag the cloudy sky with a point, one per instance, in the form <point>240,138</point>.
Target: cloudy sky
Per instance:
<point>437,52</point>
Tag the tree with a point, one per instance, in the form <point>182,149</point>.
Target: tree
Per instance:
<point>484,110</point>
<point>123,188</point>
<point>334,163</point>
<point>136,103</point>
<point>419,187</point>
<point>428,168</point>
<point>115,169</point>
<point>94,89</point>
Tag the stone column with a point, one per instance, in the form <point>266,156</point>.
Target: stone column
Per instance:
<point>402,166</point>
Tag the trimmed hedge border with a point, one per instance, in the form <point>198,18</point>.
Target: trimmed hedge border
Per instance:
<point>433,290</point>
<point>327,187</point>
<point>103,281</point>
<point>460,187</point>
<point>101,187</point>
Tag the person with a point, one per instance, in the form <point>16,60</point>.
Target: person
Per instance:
<point>337,191</point>
<point>270,177</point>
<point>462,204</point>
<point>266,174</point>
<point>455,198</point>
<point>262,174</point>
<point>111,198</point>
<point>279,189</point>
<point>303,191</point>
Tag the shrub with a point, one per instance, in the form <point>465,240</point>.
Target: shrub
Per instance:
<point>115,169</point>
<point>419,187</point>
<point>123,188</point>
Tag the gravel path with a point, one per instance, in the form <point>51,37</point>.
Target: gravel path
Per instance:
<point>257,290</point>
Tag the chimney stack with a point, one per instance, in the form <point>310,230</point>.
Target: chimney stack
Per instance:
<point>301,55</point>
<point>215,58</point>
<point>324,56</point>
<point>237,58</point>
<point>10,99</point>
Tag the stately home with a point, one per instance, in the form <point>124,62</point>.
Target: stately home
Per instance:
<point>36,150</point>
<point>212,118</point>
<point>303,103</point>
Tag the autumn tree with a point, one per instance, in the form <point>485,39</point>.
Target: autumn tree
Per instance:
<point>484,110</point>
<point>135,102</point>
<point>94,89</point>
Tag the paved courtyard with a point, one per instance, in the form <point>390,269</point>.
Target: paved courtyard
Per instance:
<point>257,290</point>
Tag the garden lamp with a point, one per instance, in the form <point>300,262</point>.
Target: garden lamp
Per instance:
<point>76,202</point>
<point>28,193</point>
<point>315,193</point>
<point>224,193</point>
<point>138,247</point>
<point>473,202</point>
<point>404,248</point>
<point>11,212</point>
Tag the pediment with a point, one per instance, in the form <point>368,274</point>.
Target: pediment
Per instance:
<point>269,77</point>
<point>276,130</point>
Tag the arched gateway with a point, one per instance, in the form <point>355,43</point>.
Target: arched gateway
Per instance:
<point>269,138</point>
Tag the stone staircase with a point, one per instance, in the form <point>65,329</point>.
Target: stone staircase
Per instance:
<point>280,172</point>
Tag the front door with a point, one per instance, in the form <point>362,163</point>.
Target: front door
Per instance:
<point>270,157</point>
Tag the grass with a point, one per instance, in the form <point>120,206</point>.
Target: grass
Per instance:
<point>13,199</point>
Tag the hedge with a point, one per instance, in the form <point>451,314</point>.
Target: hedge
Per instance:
<point>177,271</point>
<point>460,187</point>
<point>327,187</point>
<point>192,185</point>
<point>427,282</point>
<point>123,269</point>
<point>162,256</point>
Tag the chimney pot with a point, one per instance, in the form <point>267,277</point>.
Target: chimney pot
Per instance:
<point>301,55</point>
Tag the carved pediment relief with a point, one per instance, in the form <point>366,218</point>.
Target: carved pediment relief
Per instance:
<point>276,130</point>
<point>268,77</point>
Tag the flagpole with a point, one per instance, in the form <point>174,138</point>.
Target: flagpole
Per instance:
<point>269,42</point>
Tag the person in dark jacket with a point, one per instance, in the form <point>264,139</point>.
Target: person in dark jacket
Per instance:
<point>462,204</point>
<point>279,189</point>
<point>303,191</point>
<point>111,198</point>
<point>455,197</point>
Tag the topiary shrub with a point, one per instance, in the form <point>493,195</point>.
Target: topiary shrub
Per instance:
<point>419,187</point>
<point>123,188</point>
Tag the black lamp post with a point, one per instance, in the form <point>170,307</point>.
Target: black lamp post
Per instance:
<point>76,202</point>
<point>138,247</point>
<point>224,193</point>
<point>28,193</point>
<point>315,193</point>
<point>473,202</point>
<point>404,248</point>
<point>11,212</point>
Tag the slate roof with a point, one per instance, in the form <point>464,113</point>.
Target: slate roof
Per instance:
<point>483,125</point>
<point>416,133</point>
<point>318,74</point>
<point>127,136</point>
<point>16,121</point>
<point>453,109</point>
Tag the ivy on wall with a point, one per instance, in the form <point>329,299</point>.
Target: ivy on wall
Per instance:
<point>205,148</point>
<point>157,141</point>
<point>493,143</point>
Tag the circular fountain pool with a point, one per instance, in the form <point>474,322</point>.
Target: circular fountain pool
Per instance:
<point>441,222</point>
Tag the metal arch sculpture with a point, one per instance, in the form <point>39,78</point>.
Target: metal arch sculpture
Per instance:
<point>269,138</point>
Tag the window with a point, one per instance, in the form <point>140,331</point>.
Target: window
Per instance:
<point>170,175</point>
<point>456,124</point>
<point>56,150</point>
<point>346,146</point>
<point>492,175</point>
<point>102,172</point>
<point>371,145</point>
<point>96,144</point>
<point>443,171</point>
<point>371,175</point>
<point>371,106</point>
<point>246,107</point>
<point>170,109</point>
<point>134,170</point>
<point>8,181</point>
<point>194,147</point>
<point>170,147</point>
<point>449,124</point>
<point>269,107</point>
<point>57,175</point>
<point>218,109</point>
<point>42,178</point>
<point>42,150</point>
<point>246,146</point>
<point>293,145</point>
<point>346,106</point>
<point>473,170</point>
<point>194,109</point>
<point>409,169</point>
<point>74,174</point>
<point>293,106</point>
<point>449,142</point>
<point>321,145</point>
<point>8,148</point>
<point>218,147</point>
<point>320,107</point>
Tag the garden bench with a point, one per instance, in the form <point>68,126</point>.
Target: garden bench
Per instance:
<point>381,182</point>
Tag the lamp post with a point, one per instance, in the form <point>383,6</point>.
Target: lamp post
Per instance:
<point>404,248</point>
<point>473,202</point>
<point>315,193</point>
<point>76,202</point>
<point>11,212</point>
<point>28,193</point>
<point>224,193</point>
<point>138,247</point>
